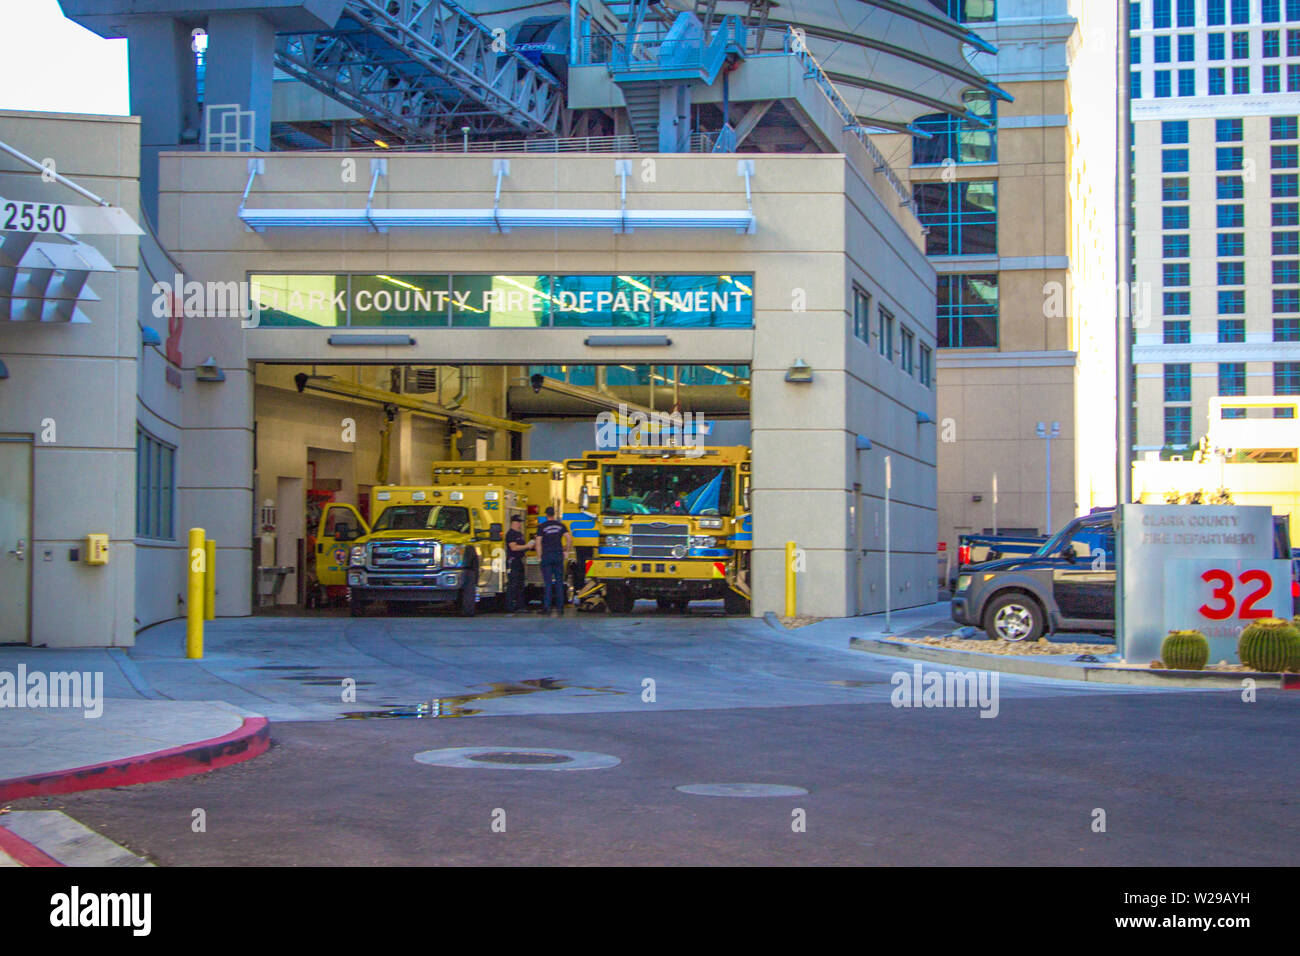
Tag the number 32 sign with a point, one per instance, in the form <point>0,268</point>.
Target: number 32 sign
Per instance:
<point>1220,597</point>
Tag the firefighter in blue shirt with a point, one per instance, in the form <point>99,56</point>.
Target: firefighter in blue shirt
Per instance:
<point>553,546</point>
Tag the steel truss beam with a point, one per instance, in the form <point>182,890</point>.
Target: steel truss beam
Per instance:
<point>421,68</point>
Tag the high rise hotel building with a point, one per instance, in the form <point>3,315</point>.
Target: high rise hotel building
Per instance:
<point>1216,93</point>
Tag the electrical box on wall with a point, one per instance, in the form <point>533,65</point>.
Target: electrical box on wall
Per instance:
<point>97,549</point>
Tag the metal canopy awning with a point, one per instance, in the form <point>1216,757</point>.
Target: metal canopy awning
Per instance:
<point>497,218</point>
<point>45,281</point>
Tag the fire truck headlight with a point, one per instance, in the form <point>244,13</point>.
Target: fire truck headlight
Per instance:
<point>710,522</point>
<point>617,540</point>
<point>452,555</point>
<point>357,554</point>
<point>609,522</point>
<point>703,541</point>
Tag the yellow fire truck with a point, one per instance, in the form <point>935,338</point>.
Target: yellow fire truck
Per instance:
<point>428,544</point>
<point>673,524</point>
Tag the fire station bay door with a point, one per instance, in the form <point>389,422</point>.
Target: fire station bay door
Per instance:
<point>15,537</point>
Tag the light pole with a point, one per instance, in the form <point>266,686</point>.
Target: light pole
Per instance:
<point>1047,433</point>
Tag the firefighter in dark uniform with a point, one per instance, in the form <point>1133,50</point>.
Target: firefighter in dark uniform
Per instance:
<point>553,546</point>
<point>516,547</point>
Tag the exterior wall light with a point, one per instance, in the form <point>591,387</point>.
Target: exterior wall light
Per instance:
<point>149,336</point>
<point>4,370</point>
<point>923,419</point>
<point>209,371</point>
<point>863,443</point>
<point>800,372</point>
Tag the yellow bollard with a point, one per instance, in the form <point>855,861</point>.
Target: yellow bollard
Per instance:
<point>209,579</point>
<point>789,579</point>
<point>198,559</point>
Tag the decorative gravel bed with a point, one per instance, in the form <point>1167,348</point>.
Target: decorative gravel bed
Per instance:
<point>791,623</point>
<point>1041,646</point>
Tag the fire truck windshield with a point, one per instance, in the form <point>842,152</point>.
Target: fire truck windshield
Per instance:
<point>666,489</point>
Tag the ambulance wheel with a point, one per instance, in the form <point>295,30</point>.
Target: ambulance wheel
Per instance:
<point>618,599</point>
<point>467,603</point>
<point>357,608</point>
<point>734,603</point>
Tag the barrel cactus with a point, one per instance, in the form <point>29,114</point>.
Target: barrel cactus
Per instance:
<point>1185,650</point>
<point>1270,645</point>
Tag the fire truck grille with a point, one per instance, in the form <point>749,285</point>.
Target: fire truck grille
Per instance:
<point>658,540</point>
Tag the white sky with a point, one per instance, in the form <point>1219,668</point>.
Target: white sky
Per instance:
<point>51,64</point>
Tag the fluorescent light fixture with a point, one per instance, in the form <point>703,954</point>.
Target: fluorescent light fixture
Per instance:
<point>209,371</point>
<point>799,372</point>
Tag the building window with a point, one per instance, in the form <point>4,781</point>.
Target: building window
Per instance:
<point>1284,157</point>
<point>1231,244</point>
<point>1282,127</point>
<point>1215,48</point>
<point>968,311</point>
<point>885,332</point>
<point>1174,190</point>
<point>1286,271</point>
<point>961,218</point>
<point>1177,303</point>
<point>906,349</point>
<point>1173,132</point>
<point>155,486</point>
<point>1214,13</point>
<point>1134,50</point>
<point>1286,378</point>
<point>1231,216</point>
<point>1232,273</point>
<point>959,140</point>
<point>1270,11</point>
<point>968,11</point>
<point>1293,9</point>
<point>1227,131</point>
<point>1228,158</point>
<point>1286,330</point>
<point>1176,246</point>
<point>1160,14</point>
<point>1186,82</point>
<point>1177,273</point>
<point>925,366</point>
<point>1178,426</point>
<point>1232,302</point>
<point>861,314</point>
<point>1272,44</point>
<point>1272,79</point>
<point>1286,300</point>
<point>1187,48</point>
<point>1285,184</point>
<point>1163,84</point>
<point>1174,217</point>
<point>1229,187</point>
<point>1292,77</point>
<point>1232,378</point>
<point>1178,383</point>
<point>1135,84</point>
<point>1286,243</point>
<point>1232,330</point>
<point>1241,46</point>
<point>1162,48</point>
<point>1187,13</point>
<point>1135,15</point>
<point>1218,83</point>
<point>1240,11</point>
<point>1240,80</point>
<point>1286,214</point>
<point>1178,332</point>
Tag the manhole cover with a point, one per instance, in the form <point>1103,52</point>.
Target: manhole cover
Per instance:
<point>741,790</point>
<point>516,758</point>
<point>520,757</point>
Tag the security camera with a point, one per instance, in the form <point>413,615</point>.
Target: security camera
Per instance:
<point>536,381</point>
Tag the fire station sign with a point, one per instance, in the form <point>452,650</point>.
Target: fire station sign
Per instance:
<point>1208,567</point>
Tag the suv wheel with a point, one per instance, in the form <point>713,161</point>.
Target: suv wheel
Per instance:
<point>1013,617</point>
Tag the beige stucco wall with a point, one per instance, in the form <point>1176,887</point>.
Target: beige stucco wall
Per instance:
<point>809,238</point>
<point>72,388</point>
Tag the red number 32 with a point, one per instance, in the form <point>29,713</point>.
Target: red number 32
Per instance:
<point>1222,593</point>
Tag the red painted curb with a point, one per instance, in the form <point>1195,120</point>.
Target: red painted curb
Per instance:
<point>1291,681</point>
<point>28,854</point>
<point>249,741</point>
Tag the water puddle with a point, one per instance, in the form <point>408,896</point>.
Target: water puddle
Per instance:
<point>457,705</point>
